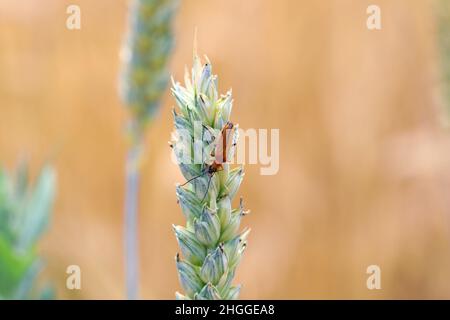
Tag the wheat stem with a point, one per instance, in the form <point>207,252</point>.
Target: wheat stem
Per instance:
<point>131,222</point>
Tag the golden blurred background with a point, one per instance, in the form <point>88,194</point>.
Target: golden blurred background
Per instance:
<point>364,159</point>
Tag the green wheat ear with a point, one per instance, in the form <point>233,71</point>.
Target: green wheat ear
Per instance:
<point>145,56</point>
<point>211,244</point>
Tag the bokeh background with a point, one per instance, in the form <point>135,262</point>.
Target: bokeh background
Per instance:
<point>364,153</point>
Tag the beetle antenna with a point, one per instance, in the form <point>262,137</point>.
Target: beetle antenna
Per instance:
<point>207,188</point>
<point>192,179</point>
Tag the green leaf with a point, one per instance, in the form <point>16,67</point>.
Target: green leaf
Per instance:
<point>26,284</point>
<point>13,267</point>
<point>37,210</point>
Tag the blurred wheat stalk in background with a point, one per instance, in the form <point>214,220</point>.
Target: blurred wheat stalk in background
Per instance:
<point>443,27</point>
<point>24,216</point>
<point>211,243</point>
<point>143,81</point>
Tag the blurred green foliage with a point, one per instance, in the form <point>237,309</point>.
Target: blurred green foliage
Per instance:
<point>24,216</point>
